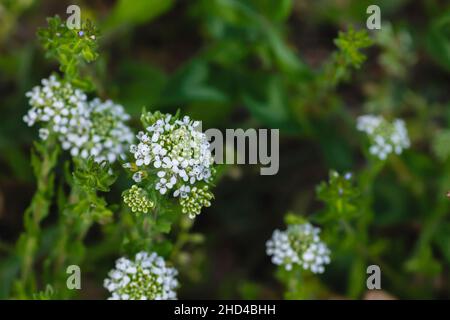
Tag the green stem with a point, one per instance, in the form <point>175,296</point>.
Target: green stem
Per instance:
<point>44,160</point>
<point>356,284</point>
<point>70,245</point>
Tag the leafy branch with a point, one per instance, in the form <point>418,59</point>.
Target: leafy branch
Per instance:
<point>72,48</point>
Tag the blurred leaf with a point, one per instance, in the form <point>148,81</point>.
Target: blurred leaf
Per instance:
<point>9,268</point>
<point>268,102</point>
<point>140,85</point>
<point>438,40</point>
<point>251,25</point>
<point>285,57</point>
<point>276,10</point>
<point>443,240</point>
<point>350,43</point>
<point>357,274</point>
<point>136,12</point>
<point>45,295</point>
<point>441,145</point>
<point>250,290</point>
<point>424,262</point>
<point>291,219</point>
<point>191,84</point>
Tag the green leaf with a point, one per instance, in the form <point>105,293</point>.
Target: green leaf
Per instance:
<point>164,221</point>
<point>424,262</point>
<point>70,47</point>
<point>140,85</point>
<point>340,197</point>
<point>357,274</point>
<point>136,12</point>
<point>438,40</point>
<point>92,175</point>
<point>278,10</point>
<point>268,102</point>
<point>285,58</point>
<point>292,218</point>
<point>443,240</point>
<point>350,44</point>
<point>88,55</point>
<point>191,84</point>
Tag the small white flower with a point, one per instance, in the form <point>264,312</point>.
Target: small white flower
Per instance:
<point>300,245</point>
<point>44,133</point>
<point>385,137</point>
<point>86,128</point>
<point>145,278</point>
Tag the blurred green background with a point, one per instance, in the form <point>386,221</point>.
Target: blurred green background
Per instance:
<point>261,64</point>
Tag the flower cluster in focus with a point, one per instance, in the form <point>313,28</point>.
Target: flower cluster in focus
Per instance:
<point>299,244</point>
<point>174,156</point>
<point>385,137</point>
<point>87,128</point>
<point>145,278</point>
<point>137,200</point>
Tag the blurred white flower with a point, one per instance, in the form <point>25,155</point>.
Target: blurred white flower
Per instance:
<point>298,245</point>
<point>85,128</point>
<point>385,137</point>
<point>145,278</point>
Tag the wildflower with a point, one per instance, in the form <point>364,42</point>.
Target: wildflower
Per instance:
<point>137,200</point>
<point>385,137</point>
<point>299,245</point>
<point>109,136</point>
<point>85,128</point>
<point>55,103</point>
<point>177,154</point>
<point>145,278</point>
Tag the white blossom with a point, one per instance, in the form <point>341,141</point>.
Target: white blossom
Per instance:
<point>298,245</point>
<point>84,128</point>
<point>385,137</point>
<point>145,278</point>
<point>178,155</point>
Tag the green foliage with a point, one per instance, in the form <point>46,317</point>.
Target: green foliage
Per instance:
<point>139,12</point>
<point>254,25</point>
<point>236,63</point>
<point>441,145</point>
<point>398,50</point>
<point>44,159</point>
<point>90,177</point>
<point>340,197</point>
<point>48,294</point>
<point>350,43</point>
<point>438,39</point>
<point>72,48</point>
<point>94,176</point>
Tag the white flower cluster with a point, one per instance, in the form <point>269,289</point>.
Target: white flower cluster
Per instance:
<point>299,244</point>
<point>178,154</point>
<point>385,137</point>
<point>86,128</point>
<point>145,278</point>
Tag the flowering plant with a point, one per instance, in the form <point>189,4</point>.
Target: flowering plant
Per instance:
<point>107,191</point>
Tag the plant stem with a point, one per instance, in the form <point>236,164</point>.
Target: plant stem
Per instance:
<point>44,160</point>
<point>361,233</point>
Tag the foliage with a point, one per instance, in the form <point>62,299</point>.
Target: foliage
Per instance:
<point>71,48</point>
<point>308,68</point>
